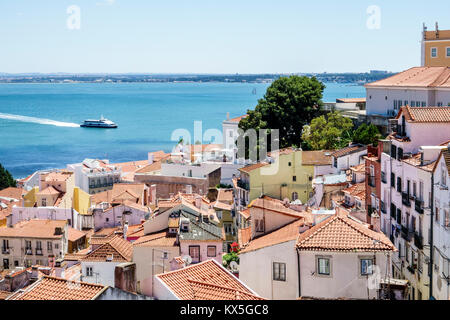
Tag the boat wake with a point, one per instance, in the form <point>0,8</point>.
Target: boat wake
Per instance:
<point>38,120</point>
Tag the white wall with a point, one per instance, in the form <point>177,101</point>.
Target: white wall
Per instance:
<point>255,270</point>
<point>19,214</point>
<point>104,269</point>
<point>162,292</point>
<point>345,280</point>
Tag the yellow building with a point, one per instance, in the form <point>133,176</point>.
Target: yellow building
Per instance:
<point>436,48</point>
<point>289,176</point>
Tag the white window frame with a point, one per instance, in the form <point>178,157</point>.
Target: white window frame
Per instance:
<point>431,52</point>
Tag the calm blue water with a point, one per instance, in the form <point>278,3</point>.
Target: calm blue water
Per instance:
<point>147,114</point>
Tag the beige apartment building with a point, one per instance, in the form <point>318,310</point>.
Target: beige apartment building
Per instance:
<point>33,242</point>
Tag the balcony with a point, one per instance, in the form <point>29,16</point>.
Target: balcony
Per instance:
<point>243,185</point>
<point>418,241</point>
<point>28,251</point>
<point>418,205</point>
<point>39,252</point>
<point>383,177</point>
<point>406,233</point>
<point>5,250</point>
<point>405,199</point>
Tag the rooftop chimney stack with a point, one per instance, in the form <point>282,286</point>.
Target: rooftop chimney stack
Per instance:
<point>228,116</point>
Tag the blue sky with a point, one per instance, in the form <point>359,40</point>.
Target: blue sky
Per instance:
<point>208,36</point>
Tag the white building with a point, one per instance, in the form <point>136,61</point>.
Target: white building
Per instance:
<point>415,87</point>
<point>93,176</point>
<point>343,159</point>
<point>98,266</point>
<point>230,134</point>
<point>406,190</point>
<point>336,258</point>
<point>441,227</point>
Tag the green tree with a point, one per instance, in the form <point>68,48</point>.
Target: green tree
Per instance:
<point>288,105</point>
<point>367,134</point>
<point>327,132</point>
<point>6,179</point>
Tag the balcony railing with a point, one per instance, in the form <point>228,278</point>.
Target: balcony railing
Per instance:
<point>243,185</point>
<point>405,199</point>
<point>418,241</point>
<point>406,233</point>
<point>28,251</point>
<point>39,252</point>
<point>383,177</point>
<point>418,205</point>
<point>5,250</point>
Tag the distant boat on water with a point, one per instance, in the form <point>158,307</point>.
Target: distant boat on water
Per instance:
<point>101,123</point>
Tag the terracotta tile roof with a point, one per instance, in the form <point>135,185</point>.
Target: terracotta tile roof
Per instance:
<point>351,100</point>
<point>415,160</point>
<point>416,77</point>
<point>155,166</point>
<point>40,229</point>
<point>207,291</point>
<point>117,248</point>
<point>4,294</point>
<point>11,192</point>
<point>160,239</point>
<point>287,233</point>
<point>425,114</point>
<point>120,193</point>
<point>282,152</point>
<point>50,190</point>
<point>348,150</point>
<point>274,205</point>
<point>446,155</point>
<point>357,190</point>
<point>74,234</point>
<point>244,236</point>
<point>199,279</point>
<point>238,119</point>
<point>225,195</point>
<point>58,176</point>
<point>222,206</point>
<point>52,288</point>
<point>341,233</point>
<point>252,167</point>
<point>359,168</point>
<point>245,213</point>
<point>318,158</point>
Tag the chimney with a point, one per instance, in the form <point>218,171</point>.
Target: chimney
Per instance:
<point>34,273</point>
<point>198,201</point>
<point>189,189</point>
<point>150,158</point>
<point>58,268</point>
<point>125,230</point>
<point>228,116</point>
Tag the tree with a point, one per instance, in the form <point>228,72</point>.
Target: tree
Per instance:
<point>6,179</point>
<point>367,134</point>
<point>288,105</point>
<point>332,131</point>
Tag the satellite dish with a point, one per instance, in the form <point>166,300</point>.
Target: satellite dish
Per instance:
<point>234,266</point>
<point>187,260</point>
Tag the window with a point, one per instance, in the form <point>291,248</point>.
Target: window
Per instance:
<point>49,246</point>
<point>335,162</point>
<point>446,218</point>
<point>393,151</point>
<point>89,272</point>
<point>294,178</point>
<point>289,164</point>
<point>27,244</point>
<point>366,266</point>
<point>392,179</point>
<point>211,251</point>
<point>323,266</point>
<point>434,52</point>
<point>294,196</point>
<point>399,184</point>
<point>279,271</point>
<point>56,246</point>
<point>194,252</point>
<point>219,215</point>
<point>228,228</point>
<point>443,175</point>
<point>44,202</point>
<point>259,224</point>
<point>448,52</point>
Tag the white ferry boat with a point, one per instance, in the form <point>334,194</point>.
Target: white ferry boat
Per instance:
<point>102,123</point>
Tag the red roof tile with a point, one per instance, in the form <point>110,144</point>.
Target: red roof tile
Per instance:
<point>341,233</point>
<point>205,280</point>
<point>425,114</point>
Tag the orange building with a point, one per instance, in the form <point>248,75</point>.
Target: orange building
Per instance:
<point>436,47</point>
